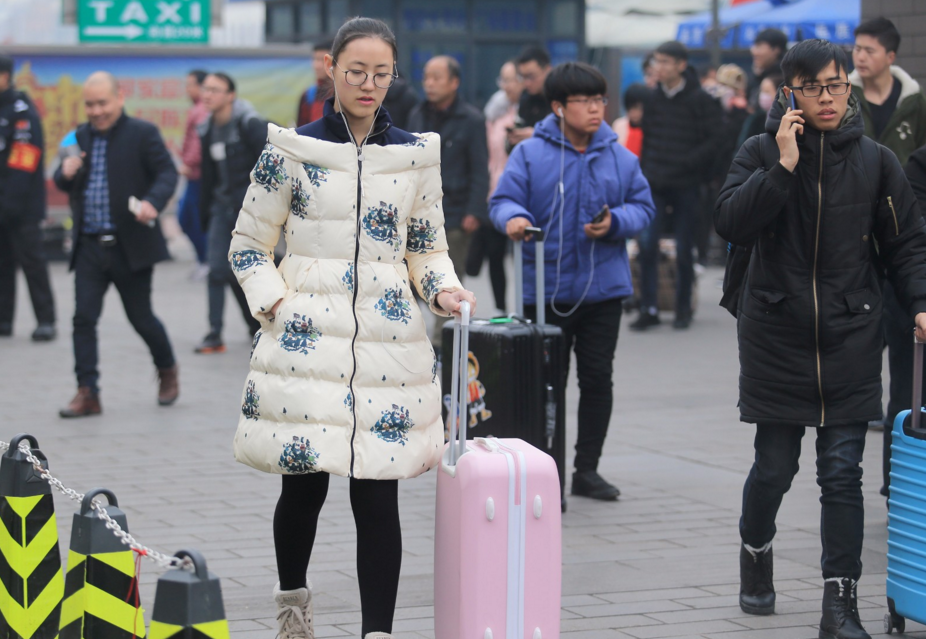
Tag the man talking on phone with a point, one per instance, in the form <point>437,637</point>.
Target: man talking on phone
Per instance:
<point>587,193</point>
<point>826,212</point>
<point>118,158</point>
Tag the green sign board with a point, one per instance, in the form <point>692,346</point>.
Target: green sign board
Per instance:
<point>144,21</point>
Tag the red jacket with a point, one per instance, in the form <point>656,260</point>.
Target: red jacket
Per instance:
<point>191,153</point>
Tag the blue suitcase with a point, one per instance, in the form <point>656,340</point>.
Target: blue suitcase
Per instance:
<point>906,528</point>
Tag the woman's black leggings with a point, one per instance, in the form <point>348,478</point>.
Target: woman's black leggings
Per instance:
<point>379,540</point>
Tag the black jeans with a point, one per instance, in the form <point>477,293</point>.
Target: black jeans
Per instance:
<point>221,275</point>
<point>898,334</point>
<point>96,267</point>
<point>375,504</point>
<point>686,206</point>
<point>21,243</point>
<point>593,331</point>
<point>839,475</point>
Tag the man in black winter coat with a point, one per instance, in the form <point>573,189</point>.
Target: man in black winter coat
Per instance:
<point>232,139</point>
<point>123,163</point>
<point>22,207</point>
<point>682,130</point>
<point>464,154</point>
<point>816,199</point>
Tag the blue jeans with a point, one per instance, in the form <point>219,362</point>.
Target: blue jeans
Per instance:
<point>839,475</point>
<point>189,219</point>
<point>685,203</point>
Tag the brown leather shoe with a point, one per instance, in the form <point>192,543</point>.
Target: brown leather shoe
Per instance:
<point>169,388</point>
<point>85,403</point>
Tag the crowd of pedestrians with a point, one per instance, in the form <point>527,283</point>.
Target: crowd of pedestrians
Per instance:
<point>773,160</point>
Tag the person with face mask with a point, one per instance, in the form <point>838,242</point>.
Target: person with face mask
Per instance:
<point>343,379</point>
<point>755,122</point>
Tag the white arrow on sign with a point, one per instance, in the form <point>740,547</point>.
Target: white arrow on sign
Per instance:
<point>129,31</point>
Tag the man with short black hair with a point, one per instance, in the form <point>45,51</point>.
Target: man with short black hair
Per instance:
<point>767,49</point>
<point>893,106</point>
<point>894,112</point>
<point>22,208</point>
<point>121,179</point>
<point>533,65</point>
<point>464,154</point>
<point>589,209</point>
<point>312,101</point>
<point>681,128</point>
<point>232,138</point>
<point>813,196</point>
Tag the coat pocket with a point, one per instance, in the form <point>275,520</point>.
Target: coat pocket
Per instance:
<point>766,296</point>
<point>861,301</point>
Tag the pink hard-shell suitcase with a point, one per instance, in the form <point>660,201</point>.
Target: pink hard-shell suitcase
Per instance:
<point>498,538</point>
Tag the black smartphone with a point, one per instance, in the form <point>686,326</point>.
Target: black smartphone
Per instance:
<point>599,218</point>
<point>793,103</point>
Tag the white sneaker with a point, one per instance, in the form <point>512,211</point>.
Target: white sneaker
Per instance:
<point>377,635</point>
<point>294,612</point>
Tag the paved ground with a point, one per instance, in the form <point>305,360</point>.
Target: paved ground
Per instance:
<point>661,562</point>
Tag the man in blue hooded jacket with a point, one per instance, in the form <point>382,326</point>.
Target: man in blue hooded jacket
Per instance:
<point>571,172</point>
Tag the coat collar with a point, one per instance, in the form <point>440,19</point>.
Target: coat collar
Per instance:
<point>335,125</point>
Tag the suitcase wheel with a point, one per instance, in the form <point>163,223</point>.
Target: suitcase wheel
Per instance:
<point>894,622</point>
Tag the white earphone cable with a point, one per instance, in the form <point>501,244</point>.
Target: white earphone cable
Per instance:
<point>560,193</point>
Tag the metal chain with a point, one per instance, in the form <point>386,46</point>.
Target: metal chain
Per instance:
<point>162,560</point>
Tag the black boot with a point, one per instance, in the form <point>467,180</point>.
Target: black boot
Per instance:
<point>757,591</point>
<point>840,611</point>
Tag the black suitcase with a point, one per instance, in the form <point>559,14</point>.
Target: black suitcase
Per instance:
<point>517,380</point>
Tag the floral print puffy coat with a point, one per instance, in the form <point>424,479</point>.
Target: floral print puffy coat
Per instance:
<point>343,380</point>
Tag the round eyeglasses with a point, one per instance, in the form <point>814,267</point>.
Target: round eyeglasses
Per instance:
<point>356,78</point>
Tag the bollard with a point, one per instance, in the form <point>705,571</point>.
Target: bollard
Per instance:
<point>31,582</point>
<point>188,605</point>
<point>101,586</point>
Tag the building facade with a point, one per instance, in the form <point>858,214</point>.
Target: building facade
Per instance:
<point>481,34</point>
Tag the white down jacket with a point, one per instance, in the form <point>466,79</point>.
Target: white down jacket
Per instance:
<point>344,379</point>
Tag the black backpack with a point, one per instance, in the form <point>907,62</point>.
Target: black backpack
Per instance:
<point>738,257</point>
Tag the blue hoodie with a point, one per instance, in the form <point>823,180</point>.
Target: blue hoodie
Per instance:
<point>606,173</point>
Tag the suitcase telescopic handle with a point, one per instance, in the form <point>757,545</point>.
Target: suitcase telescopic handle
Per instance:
<point>538,236</point>
<point>915,416</point>
<point>459,398</point>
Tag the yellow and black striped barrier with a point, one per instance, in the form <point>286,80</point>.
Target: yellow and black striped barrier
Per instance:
<point>31,582</point>
<point>101,589</point>
<point>188,605</point>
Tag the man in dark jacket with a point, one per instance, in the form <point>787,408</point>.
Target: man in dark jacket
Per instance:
<point>533,65</point>
<point>22,207</point>
<point>682,125</point>
<point>814,197</point>
<point>894,111</point>
<point>464,154</point>
<point>122,178</point>
<point>232,139</point>
<point>400,101</point>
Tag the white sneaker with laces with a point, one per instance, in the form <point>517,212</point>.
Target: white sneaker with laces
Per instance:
<point>294,612</point>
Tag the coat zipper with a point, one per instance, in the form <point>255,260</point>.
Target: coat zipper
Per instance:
<point>890,203</point>
<point>816,298</point>
<point>353,342</point>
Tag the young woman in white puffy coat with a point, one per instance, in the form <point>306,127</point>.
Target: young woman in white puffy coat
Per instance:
<point>343,379</point>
